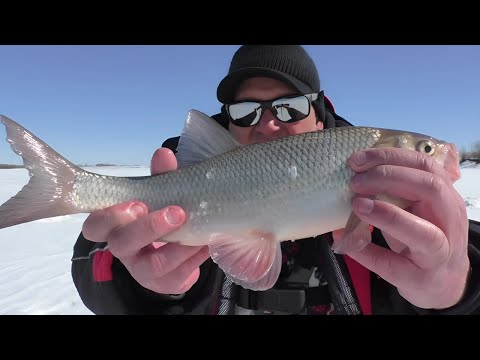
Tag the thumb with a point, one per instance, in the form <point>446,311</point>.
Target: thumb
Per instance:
<point>163,160</point>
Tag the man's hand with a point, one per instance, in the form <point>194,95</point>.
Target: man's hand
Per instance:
<point>427,260</point>
<point>134,237</point>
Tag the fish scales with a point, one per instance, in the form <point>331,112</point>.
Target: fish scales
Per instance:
<point>269,180</point>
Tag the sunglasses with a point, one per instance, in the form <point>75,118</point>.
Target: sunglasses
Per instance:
<point>288,109</point>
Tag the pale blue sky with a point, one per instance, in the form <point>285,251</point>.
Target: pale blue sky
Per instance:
<point>117,104</point>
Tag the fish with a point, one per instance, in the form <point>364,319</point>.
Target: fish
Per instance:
<point>241,201</point>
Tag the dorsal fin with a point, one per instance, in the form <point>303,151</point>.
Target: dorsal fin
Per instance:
<point>202,138</point>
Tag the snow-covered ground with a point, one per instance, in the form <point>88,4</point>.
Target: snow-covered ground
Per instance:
<point>469,187</point>
<point>35,257</point>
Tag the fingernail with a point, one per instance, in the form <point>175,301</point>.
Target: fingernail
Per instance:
<point>365,205</point>
<point>359,158</point>
<point>173,216</point>
<point>136,210</point>
<point>359,178</point>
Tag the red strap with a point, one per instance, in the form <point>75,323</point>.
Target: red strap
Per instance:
<point>102,266</point>
<point>361,282</point>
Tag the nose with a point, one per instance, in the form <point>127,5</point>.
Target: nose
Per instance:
<point>268,123</point>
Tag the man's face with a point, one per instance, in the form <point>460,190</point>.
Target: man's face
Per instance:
<point>269,128</point>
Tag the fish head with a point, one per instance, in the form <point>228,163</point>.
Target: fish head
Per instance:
<point>443,152</point>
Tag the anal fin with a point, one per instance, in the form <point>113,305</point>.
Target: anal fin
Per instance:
<point>357,235</point>
<point>252,260</point>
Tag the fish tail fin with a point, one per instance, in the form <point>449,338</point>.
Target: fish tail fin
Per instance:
<point>47,194</point>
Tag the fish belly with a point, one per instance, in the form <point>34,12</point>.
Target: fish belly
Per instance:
<point>289,218</point>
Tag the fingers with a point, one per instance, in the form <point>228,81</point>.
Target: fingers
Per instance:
<point>397,181</point>
<point>99,224</point>
<point>365,160</point>
<point>424,189</point>
<point>427,244</point>
<point>173,268</point>
<point>182,271</point>
<point>392,267</point>
<point>381,261</point>
<point>431,195</point>
<point>163,160</point>
<point>427,289</point>
<point>127,240</point>
<point>159,262</point>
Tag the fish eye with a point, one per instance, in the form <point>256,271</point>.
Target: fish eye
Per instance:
<point>426,147</point>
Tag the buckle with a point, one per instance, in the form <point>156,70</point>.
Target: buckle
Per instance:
<point>282,300</point>
<point>292,295</point>
<point>290,301</point>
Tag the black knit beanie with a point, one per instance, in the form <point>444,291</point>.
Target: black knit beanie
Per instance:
<point>288,63</point>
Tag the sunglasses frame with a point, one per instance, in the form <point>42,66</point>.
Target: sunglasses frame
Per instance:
<point>269,105</point>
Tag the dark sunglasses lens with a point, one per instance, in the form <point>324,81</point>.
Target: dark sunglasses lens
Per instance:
<point>244,114</point>
<point>292,109</point>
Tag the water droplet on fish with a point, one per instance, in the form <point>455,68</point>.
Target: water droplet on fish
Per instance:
<point>203,204</point>
<point>210,175</point>
<point>292,171</point>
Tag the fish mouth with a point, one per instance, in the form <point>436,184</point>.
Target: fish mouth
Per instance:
<point>452,162</point>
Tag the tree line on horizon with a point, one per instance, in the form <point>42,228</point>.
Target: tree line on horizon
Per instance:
<point>14,166</point>
<point>473,154</point>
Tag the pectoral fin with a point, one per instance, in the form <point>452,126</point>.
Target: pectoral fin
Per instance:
<point>357,235</point>
<point>401,203</point>
<point>252,260</point>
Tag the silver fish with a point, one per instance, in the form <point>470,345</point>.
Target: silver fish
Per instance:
<point>241,201</point>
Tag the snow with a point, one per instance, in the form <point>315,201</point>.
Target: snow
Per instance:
<point>35,275</point>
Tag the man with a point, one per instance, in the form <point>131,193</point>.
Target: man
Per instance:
<point>424,260</point>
